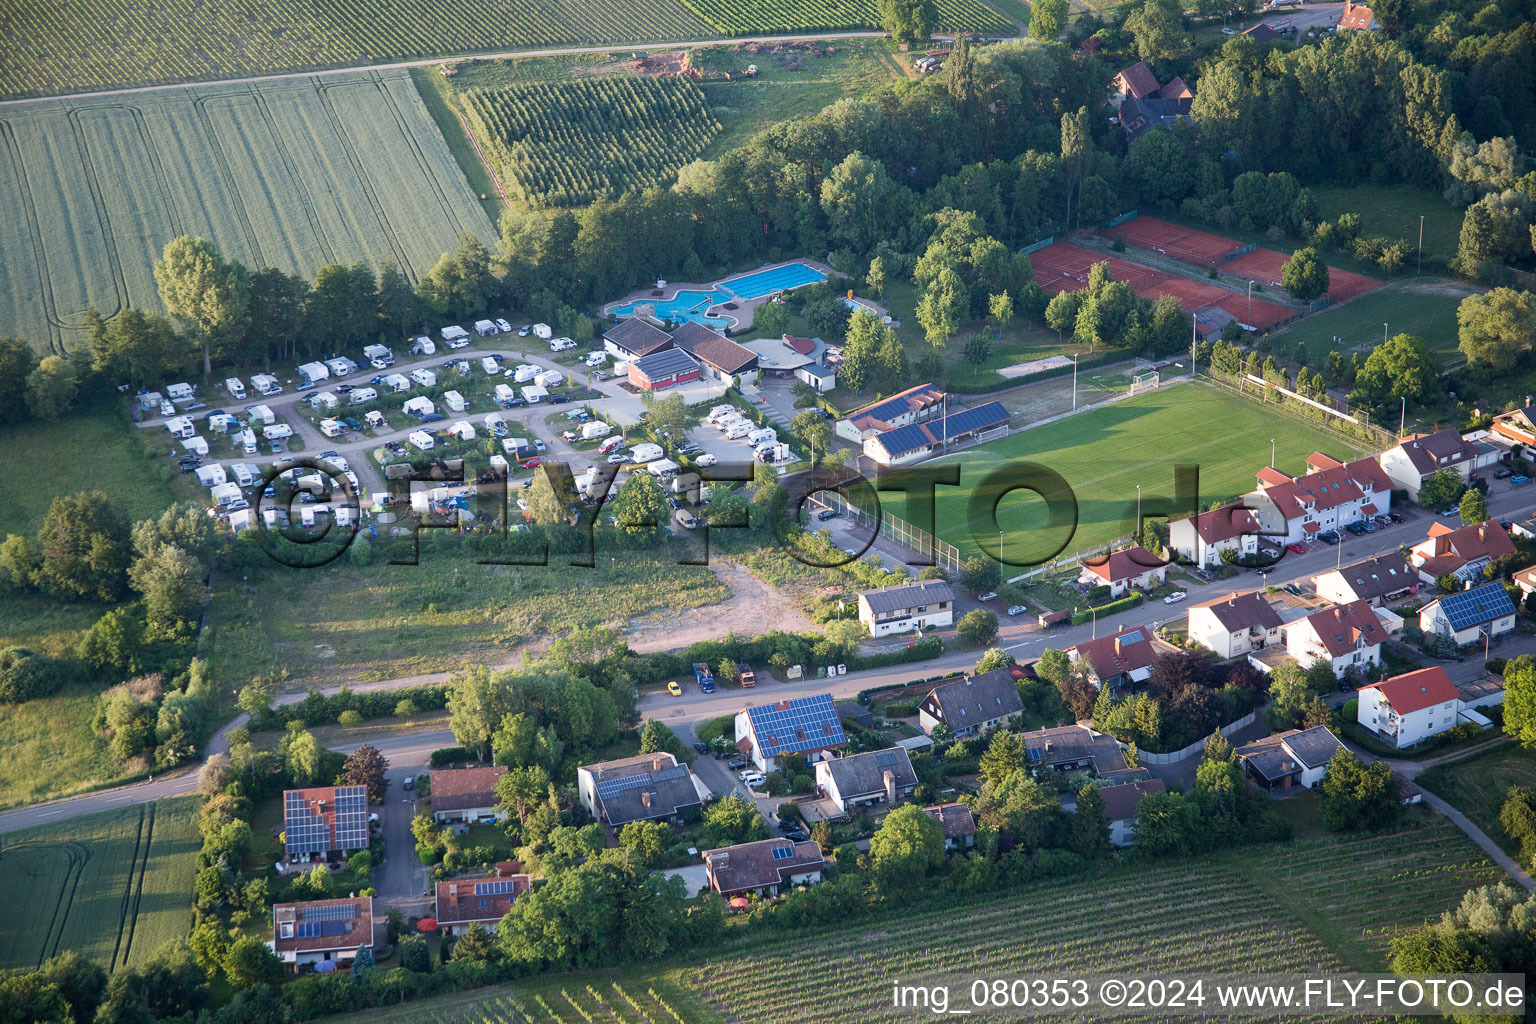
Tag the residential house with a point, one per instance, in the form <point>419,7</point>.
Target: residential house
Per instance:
<point>957,824</point>
<point>1377,581</point>
<point>324,822</point>
<point>1348,636</point>
<point>1236,624</point>
<point>647,787</point>
<point>922,604</point>
<point>720,357</point>
<point>767,867</point>
<point>466,795</point>
<point>972,705</point>
<point>1121,659</point>
<point>1525,579</point>
<point>634,338</point>
<point>1332,494</point>
<point>1470,615</point>
<point>1143,103</point>
<point>1070,749</point>
<point>1416,458</point>
<point>461,902</point>
<point>1518,426</point>
<point>1121,570</point>
<point>1296,757</point>
<point>663,369</point>
<point>799,725</point>
<point>1410,708</point>
<point>1261,34</point>
<point>1120,803</point>
<point>1357,18</point>
<point>917,441</point>
<point>321,930</point>
<point>1202,538</point>
<point>914,405</point>
<point>879,779</point>
<point>1462,552</point>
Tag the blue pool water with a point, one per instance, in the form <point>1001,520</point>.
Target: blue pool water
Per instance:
<point>683,306</point>
<point>792,275</point>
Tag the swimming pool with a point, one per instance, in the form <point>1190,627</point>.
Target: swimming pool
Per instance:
<point>764,282</point>
<point>688,305</point>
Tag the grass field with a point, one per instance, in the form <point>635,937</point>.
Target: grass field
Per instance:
<point>1393,211</point>
<point>294,174</point>
<point>1104,454</point>
<point>1477,786</point>
<point>113,886</point>
<point>742,17</point>
<point>1294,907</point>
<point>1426,308</point>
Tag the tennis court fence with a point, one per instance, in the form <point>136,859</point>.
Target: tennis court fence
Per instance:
<point>941,553</point>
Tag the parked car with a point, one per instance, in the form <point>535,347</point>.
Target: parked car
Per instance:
<point>539,446</point>
<point>742,775</point>
<point>503,326</point>
<point>1292,589</point>
<point>1503,473</point>
<point>619,458</point>
<point>799,835</point>
<point>1518,478</point>
<point>990,595</point>
<point>1453,510</point>
<point>827,513</point>
<point>788,825</point>
<point>674,689</point>
<point>754,780</point>
<point>525,330</point>
<point>1329,537</point>
<point>1296,549</point>
<point>706,460</point>
<point>1017,609</point>
<point>702,748</point>
<point>1175,597</point>
<point>1396,517</point>
<point>737,763</point>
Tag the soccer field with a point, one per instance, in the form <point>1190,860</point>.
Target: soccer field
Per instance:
<point>113,886</point>
<point>293,174</point>
<point>1104,454</point>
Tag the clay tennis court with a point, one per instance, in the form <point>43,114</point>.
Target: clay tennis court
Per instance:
<point>1063,267</point>
<point>1261,266</point>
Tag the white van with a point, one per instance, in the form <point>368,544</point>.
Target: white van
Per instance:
<point>362,395</point>
<point>596,358</point>
<point>277,431</point>
<point>454,401</point>
<point>422,439</point>
<point>236,388</point>
<point>248,441</point>
<point>611,445</point>
<point>761,435</point>
<point>740,428</point>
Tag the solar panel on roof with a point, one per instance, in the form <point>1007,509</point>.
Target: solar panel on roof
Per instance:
<point>608,787</point>
<point>783,852</point>
<point>331,912</point>
<point>498,888</point>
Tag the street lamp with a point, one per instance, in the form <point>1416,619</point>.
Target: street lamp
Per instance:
<point>1250,301</point>
<point>1138,512</point>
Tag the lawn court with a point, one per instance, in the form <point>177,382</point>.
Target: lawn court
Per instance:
<point>1104,454</point>
<point>1425,308</point>
<point>1478,785</point>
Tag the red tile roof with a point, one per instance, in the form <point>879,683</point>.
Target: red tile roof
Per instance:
<point>1450,549</point>
<point>344,933</point>
<point>1139,81</point>
<point>1225,523</point>
<point>1124,565</point>
<point>1119,653</point>
<point>1338,628</point>
<point>458,789</point>
<point>1357,16</point>
<point>459,903</point>
<point>804,346</point>
<point>1414,691</point>
<point>1327,488</point>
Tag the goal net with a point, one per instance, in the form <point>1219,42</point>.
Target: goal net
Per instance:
<point>1144,382</point>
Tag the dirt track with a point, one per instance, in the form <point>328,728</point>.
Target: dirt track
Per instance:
<point>754,607</point>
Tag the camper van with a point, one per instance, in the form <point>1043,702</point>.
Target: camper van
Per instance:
<point>490,365</point>
<point>211,476</point>
<point>611,445</point>
<point>323,400</point>
<point>340,367</point>
<point>248,441</point>
<point>738,428</point>
<point>725,423</point>
<point>378,356</point>
<point>550,379</point>
<point>646,452</point>
<point>236,388</point>
<point>526,372</point>
<point>542,332</point>
<point>686,519</point>
<point>332,428</point>
<point>456,336</point>
<point>421,439</point>
<point>244,473</point>
<point>375,421</point>
<point>179,392</point>
<point>454,401</point>
<point>504,393</point>
<point>597,428</point>
<point>533,394</point>
<point>261,414</point>
<point>422,345</point>
<point>277,431</point>
<point>361,395</point>
<point>181,426</point>
<point>266,384</point>
<point>561,344</point>
<point>762,435</point>
<point>661,469</point>
<point>195,444</point>
<point>486,328</point>
<point>426,378</point>
<point>596,358</point>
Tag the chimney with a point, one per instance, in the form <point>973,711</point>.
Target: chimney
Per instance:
<point>1286,765</point>
<point>1232,601</point>
<point>645,799</point>
<point>889,778</point>
<point>1117,645</point>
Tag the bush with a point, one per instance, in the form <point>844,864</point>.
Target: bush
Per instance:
<point>450,755</point>
<point>350,718</point>
<point>26,675</point>
<point>1130,601</point>
<point>427,855</point>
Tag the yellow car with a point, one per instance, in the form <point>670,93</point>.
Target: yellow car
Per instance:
<point>674,689</point>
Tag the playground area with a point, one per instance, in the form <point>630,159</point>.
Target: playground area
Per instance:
<point>1063,267</point>
<point>719,304</point>
<point>1204,249</point>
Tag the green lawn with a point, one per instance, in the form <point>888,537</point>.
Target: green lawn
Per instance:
<point>114,886</point>
<point>1104,454</point>
<point>1393,211</point>
<point>1426,308</point>
<point>1477,786</point>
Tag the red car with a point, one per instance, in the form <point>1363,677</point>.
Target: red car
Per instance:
<point>1296,549</point>
<point>532,463</point>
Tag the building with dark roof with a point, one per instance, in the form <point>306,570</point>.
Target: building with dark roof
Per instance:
<point>878,779</point>
<point>818,377</point>
<point>1070,749</point>
<point>767,867</point>
<point>1462,552</point>
<point>1202,538</point>
<point>721,357</point>
<point>1144,104</point>
<point>466,794</point>
<point>1235,624</point>
<point>320,930</point>
<point>461,902</point>
<point>635,337</point>
<point>914,405</point>
<point>916,441</point>
<point>955,821</point>
<point>808,726</point>
<point>1139,116</point>
<point>647,787</point>
<point>1296,757</point>
<point>1410,708</point>
<point>1518,425</point>
<point>1471,615</point>
<point>903,607</point>
<point>1414,459</point>
<point>324,822</point>
<point>1347,636</point>
<point>663,369</point>
<point>1121,659</point>
<point>1120,803</point>
<point>1134,566</point>
<point>1377,581</point>
<point>1261,34</point>
<point>972,705</point>
<point>1331,495</point>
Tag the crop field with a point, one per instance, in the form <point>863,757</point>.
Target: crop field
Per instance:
<point>57,46</point>
<point>740,17</point>
<point>1478,785</point>
<point>294,175</point>
<point>1104,454</point>
<point>1299,907</point>
<point>569,143</point>
<point>114,886</point>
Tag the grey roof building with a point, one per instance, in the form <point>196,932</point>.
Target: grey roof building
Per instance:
<point>905,606</point>
<point>637,337</point>
<point>642,788</point>
<point>972,704</point>
<point>878,778</point>
<point>1296,757</point>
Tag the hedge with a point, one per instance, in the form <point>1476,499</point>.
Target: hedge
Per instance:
<point>1130,601</point>
<point>318,709</point>
<point>924,650</point>
<point>1004,383</point>
<point>450,755</point>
